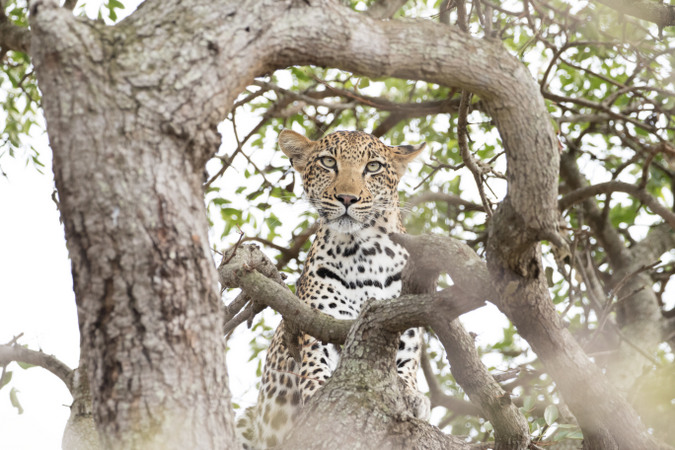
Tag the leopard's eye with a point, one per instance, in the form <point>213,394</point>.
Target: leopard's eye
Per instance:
<point>373,166</point>
<point>328,162</point>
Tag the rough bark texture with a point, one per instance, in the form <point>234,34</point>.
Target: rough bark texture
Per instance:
<point>661,14</point>
<point>364,405</point>
<point>131,202</point>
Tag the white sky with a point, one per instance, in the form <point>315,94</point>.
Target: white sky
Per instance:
<point>36,298</point>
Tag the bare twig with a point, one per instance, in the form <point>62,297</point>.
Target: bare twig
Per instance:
<point>464,149</point>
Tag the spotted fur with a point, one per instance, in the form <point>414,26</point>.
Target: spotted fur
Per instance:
<point>351,178</point>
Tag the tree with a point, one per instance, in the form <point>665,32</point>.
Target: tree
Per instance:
<point>132,113</point>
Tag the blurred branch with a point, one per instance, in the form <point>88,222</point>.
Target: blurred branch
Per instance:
<point>440,398</point>
<point>450,199</point>
<point>618,186</point>
<point>658,13</point>
<point>10,353</point>
<point>384,9</point>
<point>429,256</point>
<point>13,37</point>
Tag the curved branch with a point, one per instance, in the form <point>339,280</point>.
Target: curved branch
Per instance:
<point>658,13</point>
<point>641,194</point>
<point>602,413</point>
<point>440,398</point>
<point>9,353</point>
<point>335,36</point>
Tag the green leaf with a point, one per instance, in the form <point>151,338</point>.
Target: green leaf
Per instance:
<point>14,399</point>
<point>549,277</point>
<point>551,414</point>
<point>25,365</point>
<point>5,379</point>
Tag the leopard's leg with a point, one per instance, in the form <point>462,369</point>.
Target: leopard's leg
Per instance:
<point>279,399</point>
<point>407,363</point>
<point>318,363</point>
<point>247,428</point>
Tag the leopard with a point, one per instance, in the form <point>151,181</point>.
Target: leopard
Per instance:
<point>351,179</point>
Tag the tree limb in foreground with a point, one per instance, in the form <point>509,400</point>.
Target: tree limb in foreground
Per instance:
<point>367,358</point>
<point>402,313</point>
<point>429,256</point>
<point>10,353</point>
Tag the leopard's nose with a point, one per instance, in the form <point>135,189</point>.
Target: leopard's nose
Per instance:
<point>347,199</point>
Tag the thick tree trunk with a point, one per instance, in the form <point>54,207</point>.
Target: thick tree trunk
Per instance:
<point>132,205</point>
<point>80,432</point>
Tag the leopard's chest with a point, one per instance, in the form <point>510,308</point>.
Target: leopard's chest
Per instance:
<point>343,271</point>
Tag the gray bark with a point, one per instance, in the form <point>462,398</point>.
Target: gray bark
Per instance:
<point>129,184</point>
<point>80,432</point>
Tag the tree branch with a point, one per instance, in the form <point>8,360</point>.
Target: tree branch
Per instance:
<point>617,186</point>
<point>430,255</point>
<point>13,37</point>
<point>658,13</point>
<point>9,353</point>
<point>440,398</point>
<point>70,4</point>
<point>450,199</point>
<point>396,315</point>
<point>462,133</point>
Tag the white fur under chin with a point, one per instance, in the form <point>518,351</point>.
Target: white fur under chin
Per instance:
<point>344,224</point>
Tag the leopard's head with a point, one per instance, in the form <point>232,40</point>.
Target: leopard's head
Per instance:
<point>350,177</point>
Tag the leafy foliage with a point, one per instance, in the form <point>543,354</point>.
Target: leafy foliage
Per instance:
<point>20,96</point>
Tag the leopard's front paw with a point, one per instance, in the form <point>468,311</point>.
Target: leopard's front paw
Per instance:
<point>418,404</point>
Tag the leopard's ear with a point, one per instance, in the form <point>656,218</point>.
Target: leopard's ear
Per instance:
<point>403,154</point>
<point>297,147</point>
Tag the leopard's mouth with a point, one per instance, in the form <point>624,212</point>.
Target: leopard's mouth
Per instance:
<point>345,223</point>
